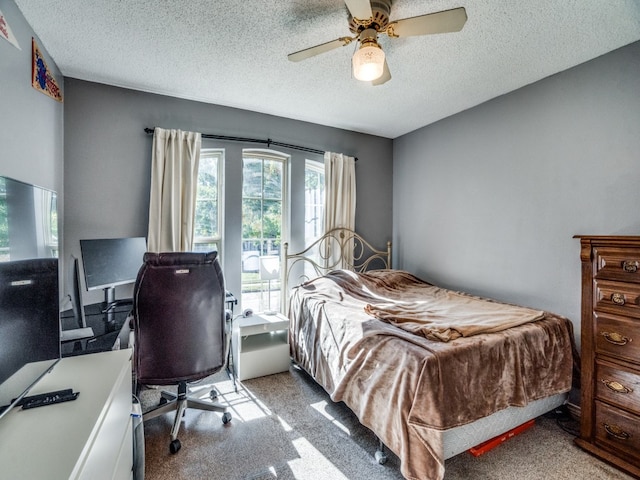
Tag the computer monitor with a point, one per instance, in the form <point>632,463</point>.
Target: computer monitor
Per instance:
<point>109,262</point>
<point>75,296</point>
<point>77,307</point>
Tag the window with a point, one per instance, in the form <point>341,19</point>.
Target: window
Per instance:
<point>258,219</point>
<point>207,235</point>
<point>263,187</point>
<point>313,201</point>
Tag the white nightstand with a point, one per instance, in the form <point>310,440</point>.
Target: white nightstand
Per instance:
<point>260,345</point>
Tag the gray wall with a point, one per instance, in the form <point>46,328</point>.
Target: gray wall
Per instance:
<point>488,200</point>
<point>108,159</point>
<point>31,123</point>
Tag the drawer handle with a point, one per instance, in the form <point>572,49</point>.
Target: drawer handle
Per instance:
<point>617,298</point>
<point>617,432</point>
<point>630,266</point>
<point>615,338</point>
<point>616,386</point>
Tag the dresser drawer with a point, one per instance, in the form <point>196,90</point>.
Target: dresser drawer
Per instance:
<point>617,263</point>
<point>616,297</point>
<point>617,336</point>
<point>618,385</point>
<point>618,430</point>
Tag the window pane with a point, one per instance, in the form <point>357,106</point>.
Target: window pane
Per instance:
<point>272,219</point>
<point>313,201</point>
<point>205,247</point>
<point>208,172</point>
<point>272,179</point>
<point>206,220</point>
<point>251,219</point>
<point>252,178</point>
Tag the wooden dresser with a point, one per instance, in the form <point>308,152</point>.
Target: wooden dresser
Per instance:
<point>610,350</point>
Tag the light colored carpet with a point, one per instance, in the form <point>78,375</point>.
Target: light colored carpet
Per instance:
<point>285,427</point>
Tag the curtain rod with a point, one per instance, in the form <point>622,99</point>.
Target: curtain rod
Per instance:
<point>268,142</point>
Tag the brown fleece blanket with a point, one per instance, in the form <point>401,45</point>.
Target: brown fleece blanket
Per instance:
<point>443,315</point>
<point>407,388</point>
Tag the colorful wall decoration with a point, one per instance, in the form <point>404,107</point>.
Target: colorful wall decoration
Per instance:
<point>41,77</point>
<point>6,33</point>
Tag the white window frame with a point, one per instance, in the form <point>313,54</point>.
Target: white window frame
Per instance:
<point>285,160</point>
<point>217,239</point>
<point>317,167</point>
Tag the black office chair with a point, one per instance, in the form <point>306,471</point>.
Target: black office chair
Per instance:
<point>179,322</point>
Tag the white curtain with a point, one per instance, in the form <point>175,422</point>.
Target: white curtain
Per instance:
<point>340,199</point>
<point>174,180</point>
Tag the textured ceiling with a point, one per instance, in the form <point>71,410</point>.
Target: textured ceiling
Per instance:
<point>234,53</point>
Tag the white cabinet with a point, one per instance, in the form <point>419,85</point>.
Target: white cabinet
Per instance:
<point>260,345</point>
<point>87,438</point>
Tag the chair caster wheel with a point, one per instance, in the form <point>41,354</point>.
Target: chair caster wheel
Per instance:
<point>175,446</point>
<point>381,458</point>
<point>226,418</point>
<point>213,394</point>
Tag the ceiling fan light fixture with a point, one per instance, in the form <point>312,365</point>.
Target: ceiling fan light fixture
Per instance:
<point>368,62</point>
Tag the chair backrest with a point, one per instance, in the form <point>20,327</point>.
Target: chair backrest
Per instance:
<point>178,317</point>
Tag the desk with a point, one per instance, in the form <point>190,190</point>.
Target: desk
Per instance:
<point>107,328</point>
<point>230,300</point>
<point>88,438</point>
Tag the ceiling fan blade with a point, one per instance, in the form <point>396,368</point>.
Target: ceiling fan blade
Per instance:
<point>318,49</point>
<point>439,22</point>
<point>360,9</point>
<point>386,75</point>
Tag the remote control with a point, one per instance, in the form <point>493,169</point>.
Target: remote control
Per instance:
<point>48,398</point>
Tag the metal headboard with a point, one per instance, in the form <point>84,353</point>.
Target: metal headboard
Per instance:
<point>339,248</point>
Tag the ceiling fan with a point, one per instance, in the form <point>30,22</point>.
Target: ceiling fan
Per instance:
<point>367,20</point>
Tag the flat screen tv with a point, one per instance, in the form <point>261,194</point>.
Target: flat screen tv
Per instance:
<point>109,262</point>
<point>29,292</point>
<point>28,221</point>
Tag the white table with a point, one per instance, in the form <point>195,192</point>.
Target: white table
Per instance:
<point>87,438</point>
<point>260,345</point>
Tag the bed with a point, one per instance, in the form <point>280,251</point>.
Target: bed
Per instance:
<point>412,360</point>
